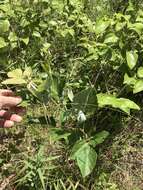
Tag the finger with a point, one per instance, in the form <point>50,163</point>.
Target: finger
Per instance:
<point>6,123</point>
<point>18,110</point>
<point>9,116</point>
<point>9,101</point>
<point>6,92</point>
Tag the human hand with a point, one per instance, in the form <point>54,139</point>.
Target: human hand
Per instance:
<point>9,112</point>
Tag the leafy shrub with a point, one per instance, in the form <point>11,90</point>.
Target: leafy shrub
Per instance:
<point>84,64</point>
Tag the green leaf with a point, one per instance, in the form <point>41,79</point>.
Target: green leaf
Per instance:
<point>54,87</point>
<point>17,73</point>
<point>4,26</point>
<point>132,58</point>
<point>2,43</point>
<point>101,26</point>
<point>41,178</point>
<point>57,134</point>
<point>138,87</point>
<point>14,81</point>
<point>120,103</point>
<point>58,4</point>
<point>25,40</point>
<point>16,77</point>
<point>12,37</point>
<point>140,72</point>
<point>110,38</point>
<point>87,160</point>
<point>126,105</point>
<point>137,27</point>
<point>28,72</point>
<point>77,146</point>
<point>119,26</point>
<point>85,100</point>
<point>36,34</point>
<point>130,7</point>
<point>46,46</point>
<point>129,80</point>
<point>99,138</point>
<point>85,156</point>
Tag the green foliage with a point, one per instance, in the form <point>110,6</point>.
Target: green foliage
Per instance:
<point>34,170</point>
<point>121,103</point>
<point>85,155</point>
<point>59,53</point>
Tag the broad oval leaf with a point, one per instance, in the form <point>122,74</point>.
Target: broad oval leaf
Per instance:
<point>85,100</point>
<point>110,38</point>
<point>4,26</point>
<point>86,160</point>
<point>132,58</point>
<point>17,73</point>
<point>138,87</point>
<point>85,156</point>
<point>101,26</point>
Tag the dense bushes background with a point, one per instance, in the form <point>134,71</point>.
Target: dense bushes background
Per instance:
<point>78,66</point>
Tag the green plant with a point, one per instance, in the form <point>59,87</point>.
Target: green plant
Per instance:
<point>34,171</point>
<point>82,64</point>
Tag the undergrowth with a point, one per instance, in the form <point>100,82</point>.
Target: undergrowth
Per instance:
<point>78,67</point>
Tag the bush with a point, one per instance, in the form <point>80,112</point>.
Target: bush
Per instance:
<point>85,64</point>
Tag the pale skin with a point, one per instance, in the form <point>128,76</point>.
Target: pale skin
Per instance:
<point>10,112</point>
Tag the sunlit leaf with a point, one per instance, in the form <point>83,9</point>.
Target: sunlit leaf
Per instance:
<point>2,43</point>
<point>14,81</point>
<point>119,26</point>
<point>101,26</point>
<point>110,38</point>
<point>4,26</point>
<point>12,37</point>
<point>25,40</point>
<point>17,73</point>
<point>129,80</point>
<point>120,103</point>
<point>137,27</point>
<point>132,58</point>
<point>28,72</point>
<point>140,72</point>
<point>138,87</point>
<point>36,34</point>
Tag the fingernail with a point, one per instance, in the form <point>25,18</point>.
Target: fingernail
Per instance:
<point>8,124</point>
